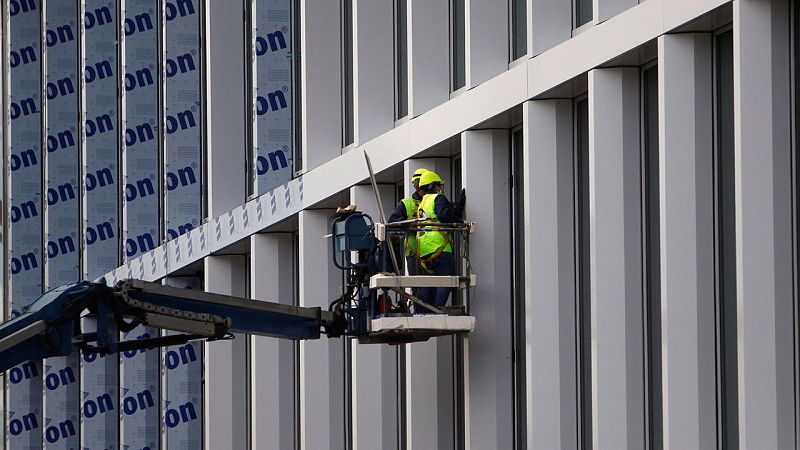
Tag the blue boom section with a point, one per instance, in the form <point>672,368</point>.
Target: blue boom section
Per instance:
<point>52,325</point>
<point>244,315</point>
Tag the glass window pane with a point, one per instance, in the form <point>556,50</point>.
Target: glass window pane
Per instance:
<point>519,29</point>
<point>726,220</point>
<point>518,284</point>
<point>401,55</point>
<point>584,299</point>
<point>458,50</point>
<point>583,12</point>
<point>347,63</point>
<point>652,252</point>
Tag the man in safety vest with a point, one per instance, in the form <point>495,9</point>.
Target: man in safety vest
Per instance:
<point>435,248</point>
<point>407,209</point>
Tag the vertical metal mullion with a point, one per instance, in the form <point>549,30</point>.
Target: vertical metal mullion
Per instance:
<point>576,264</point>
<point>296,344</point>
<point>43,122</point>
<point>717,281</point>
<point>518,290</point>
<point>161,82</point>
<point>795,52</point>
<point>296,86</point>
<point>204,24</point>
<point>81,117</point>
<point>250,68</point>
<point>248,370</point>
<point>645,205</point>
<point>121,119</point>
<point>81,113</point>
<point>163,202</point>
<point>4,216</point>
<point>795,89</point>
<point>120,48</point>
<point>645,230</point>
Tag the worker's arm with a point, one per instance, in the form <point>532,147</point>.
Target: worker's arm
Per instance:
<point>447,211</point>
<point>399,213</point>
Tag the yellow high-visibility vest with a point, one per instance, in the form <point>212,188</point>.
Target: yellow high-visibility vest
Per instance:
<point>411,205</point>
<point>432,241</point>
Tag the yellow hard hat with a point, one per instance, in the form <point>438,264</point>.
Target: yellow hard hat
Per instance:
<point>430,177</point>
<point>417,174</point>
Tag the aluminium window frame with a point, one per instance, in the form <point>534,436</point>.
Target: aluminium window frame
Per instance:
<point>583,380</point>
<point>653,423</point>
<point>719,301</point>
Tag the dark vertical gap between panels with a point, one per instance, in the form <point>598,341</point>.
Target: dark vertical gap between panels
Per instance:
<point>347,69</point>
<point>402,397</point>
<point>726,243</point>
<point>519,29</point>
<point>401,58</point>
<point>458,44</point>
<point>652,266</point>
<point>296,344</point>
<point>458,298</point>
<point>583,298</point>
<point>347,344</point>
<point>795,27</point>
<point>517,229</point>
<point>795,69</point>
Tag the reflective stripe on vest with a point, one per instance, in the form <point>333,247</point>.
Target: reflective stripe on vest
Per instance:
<point>431,241</point>
<point>411,211</point>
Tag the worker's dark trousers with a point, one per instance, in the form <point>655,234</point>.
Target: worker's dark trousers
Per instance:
<point>411,265</point>
<point>444,264</point>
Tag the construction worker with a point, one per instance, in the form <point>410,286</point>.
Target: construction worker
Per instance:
<point>407,209</point>
<point>435,248</point>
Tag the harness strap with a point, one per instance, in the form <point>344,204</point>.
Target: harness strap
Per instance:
<point>423,262</point>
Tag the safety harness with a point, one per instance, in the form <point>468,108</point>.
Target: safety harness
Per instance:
<point>424,261</point>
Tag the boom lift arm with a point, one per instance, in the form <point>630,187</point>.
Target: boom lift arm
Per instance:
<point>52,325</point>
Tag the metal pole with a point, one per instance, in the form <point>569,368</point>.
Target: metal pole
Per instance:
<point>380,208</point>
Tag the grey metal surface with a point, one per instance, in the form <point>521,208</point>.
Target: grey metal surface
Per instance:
<point>687,240</point>
<point>616,259</point>
<point>487,351</point>
<point>550,274</point>
<point>764,278</point>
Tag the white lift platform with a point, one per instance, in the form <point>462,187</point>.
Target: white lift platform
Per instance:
<point>404,328</point>
<point>419,327</point>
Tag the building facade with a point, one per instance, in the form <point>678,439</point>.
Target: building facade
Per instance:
<point>632,167</point>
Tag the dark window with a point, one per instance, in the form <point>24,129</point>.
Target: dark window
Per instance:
<point>584,296</point>
<point>347,69</point>
<point>458,48</point>
<point>726,243</point>
<point>583,12</point>
<point>519,29</point>
<point>518,287</point>
<point>401,56</point>
<point>652,257</point>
